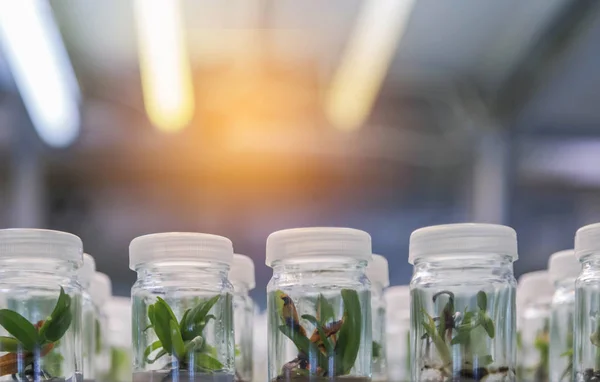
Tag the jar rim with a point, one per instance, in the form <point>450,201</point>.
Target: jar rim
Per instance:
<point>41,243</point>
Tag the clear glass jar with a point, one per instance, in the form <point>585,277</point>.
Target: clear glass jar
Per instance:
<point>101,291</point>
<point>397,298</point>
<point>118,310</point>
<point>259,359</point>
<point>40,293</point>
<point>319,305</point>
<point>463,303</point>
<point>586,342</point>
<point>563,268</point>
<point>88,316</point>
<point>535,292</point>
<point>379,275</point>
<point>182,308</point>
<point>242,278</point>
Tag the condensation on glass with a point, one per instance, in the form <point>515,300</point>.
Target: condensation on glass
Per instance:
<point>563,268</point>
<point>378,274</point>
<point>586,344</point>
<point>397,299</point>
<point>182,308</point>
<point>534,292</point>
<point>463,303</point>
<point>319,305</point>
<point>40,294</point>
<point>242,278</point>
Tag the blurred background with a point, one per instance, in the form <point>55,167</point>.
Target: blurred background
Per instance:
<point>240,118</point>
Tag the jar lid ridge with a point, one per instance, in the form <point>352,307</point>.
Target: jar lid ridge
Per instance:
<point>41,243</point>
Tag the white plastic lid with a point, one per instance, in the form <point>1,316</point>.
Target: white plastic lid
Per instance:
<point>242,270</point>
<point>318,242</point>
<point>180,246</point>
<point>563,265</point>
<point>452,240</point>
<point>587,240</point>
<point>40,243</point>
<point>86,272</point>
<point>534,286</point>
<point>100,288</point>
<point>378,271</point>
<point>118,310</point>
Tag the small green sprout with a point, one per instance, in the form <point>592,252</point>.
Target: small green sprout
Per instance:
<point>182,339</point>
<point>28,342</point>
<point>332,340</point>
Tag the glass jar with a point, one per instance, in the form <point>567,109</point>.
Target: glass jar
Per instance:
<point>118,310</point>
<point>397,299</point>
<point>40,294</point>
<point>319,305</point>
<point>535,292</point>
<point>242,278</point>
<point>88,316</point>
<point>379,275</point>
<point>182,308</point>
<point>563,268</point>
<point>101,291</point>
<point>259,346</point>
<point>463,303</point>
<point>586,343</point>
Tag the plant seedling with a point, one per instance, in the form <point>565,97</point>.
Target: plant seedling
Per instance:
<point>29,343</point>
<point>467,329</point>
<point>182,339</point>
<point>542,344</point>
<point>333,346</point>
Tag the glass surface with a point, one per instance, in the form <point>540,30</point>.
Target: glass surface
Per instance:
<point>586,344</point>
<point>89,336</point>
<point>534,335</point>
<point>561,332</point>
<point>243,312</point>
<point>463,320</point>
<point>378,333</point>
<point>310,302</point>
<point>398,349</point>
<point>183,324</point>
<point>33,346</point>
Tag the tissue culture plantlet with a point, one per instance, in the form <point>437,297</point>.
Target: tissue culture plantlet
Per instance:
<point>183,339</point>
<point>332,347</point>
<point>468,330</point>
<point>542,345</point>
<point>29,343</point>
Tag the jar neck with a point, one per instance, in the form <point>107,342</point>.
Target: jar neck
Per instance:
<point>181,269</point>
<point>590,262</point>
<point>57,267</point>
<point>478,262</point>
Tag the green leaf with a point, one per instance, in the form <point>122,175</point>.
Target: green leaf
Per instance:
<point>176,340</point>
<point>58,326</point>
<point>313,320</point>
<point>158,355</point>
<point>462,337</point>
<point>59,320</point>
<point>162,317</point>
<point>304,345</point>
<point>153,346</point>
<point>205,362</point>
<point>167,307</point>
<point>482,300</point>
<point>183,320</point>
<point>429,326</point>
<point>485,360</point>
<point>377,350</point>
<point>325,311</point>
<point>20,328</point>
<point>488,325</point>
<point>194,344</point>
<point>9,344</point>
<point>197,319</point>
<point>348,343</point>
